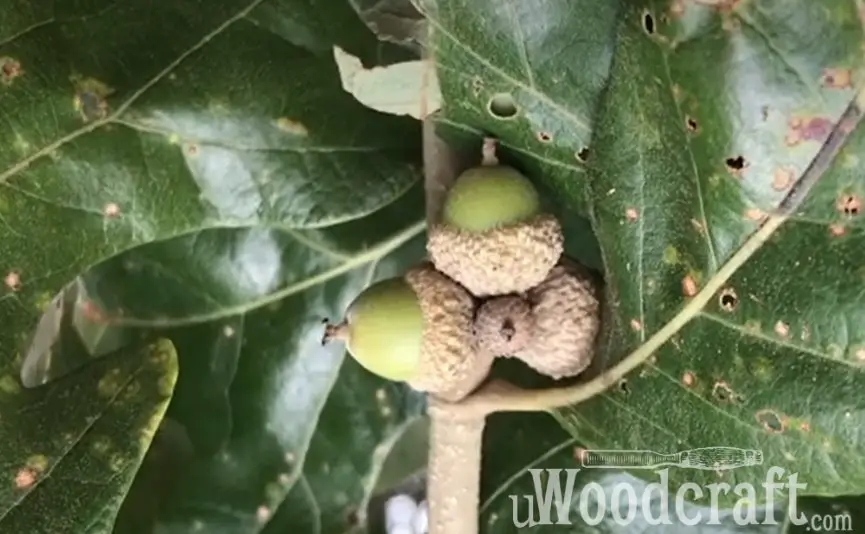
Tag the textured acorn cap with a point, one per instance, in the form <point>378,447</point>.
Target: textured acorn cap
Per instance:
<point>450,365</point>
<point>504,325</point>
<point>566,309</point>
<point>507,259</point>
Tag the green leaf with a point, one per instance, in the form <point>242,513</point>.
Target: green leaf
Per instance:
<point>71,448</point>
<point>753,336</point>
<point>529,74</point>
<point>285,434</point>
<point>161,121</point>
<point>712,114</point>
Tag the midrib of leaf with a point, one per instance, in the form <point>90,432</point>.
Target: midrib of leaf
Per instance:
<point>121,109</point>
<point>373,254</point>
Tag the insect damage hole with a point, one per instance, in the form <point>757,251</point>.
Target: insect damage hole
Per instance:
<point>771,421</point>
<point>736,164</point>
<point>691,124</point>
<point>502,106</point>
<point>648,23</point>
<point>623,386</point>
<point>583,154</point>
<point>728,300</point>
<point>850,205</point>
<point>544,137</point>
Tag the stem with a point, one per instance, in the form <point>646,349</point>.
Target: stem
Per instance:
<point>488,152</point>
<point>454,470</point>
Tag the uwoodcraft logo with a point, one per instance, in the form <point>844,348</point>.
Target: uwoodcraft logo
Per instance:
<point>556,499</point>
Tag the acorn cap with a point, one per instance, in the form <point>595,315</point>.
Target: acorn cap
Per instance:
<point>502,260</point>
<point>566,308</point>
<point>450,365</point>
<point>504,325</point>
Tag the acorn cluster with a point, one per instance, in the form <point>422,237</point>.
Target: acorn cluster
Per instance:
<point>495,285</point>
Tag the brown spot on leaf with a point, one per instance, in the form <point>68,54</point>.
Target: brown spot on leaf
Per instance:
<point>544,137</point>
<point>636,325</point>
<point>477,86</point>
<point>689,286</point>
<point>801,129</point>
<point>771,421</point>
<point>25,478</point>
<point>293,127</point>
<point>849,204</point>
<point>10,68</point>
<point>91,98</point>
<point>837,229</point>
<point>631,214</point>
<point>782,329</point>
<point>689,379</point>
<point>111,210</point>
<point>783,178</point>
<point>722,392</point>
<point>804,426</point>
<point>837,78</point>
<point>192,149</point>
<point>13,281</point>
<point>755,214</point>
<point>728,300</point>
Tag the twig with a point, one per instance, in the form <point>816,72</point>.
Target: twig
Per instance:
<point>454,464</point>
<point>454,469</point>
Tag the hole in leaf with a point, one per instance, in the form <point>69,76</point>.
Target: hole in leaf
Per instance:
<point>583,154</point>
<point>545,137</point>
<point>728,299</point>
<point>502,106</point>
<point>692,124</point>
<point>623,386</point>
<point>648,23</point>
<point>770,421</point>
<point>849,205</point>
<point>736,164</point>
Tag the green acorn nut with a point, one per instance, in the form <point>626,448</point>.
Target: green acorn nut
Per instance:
<point>493,237</point>
<point>416,329</point>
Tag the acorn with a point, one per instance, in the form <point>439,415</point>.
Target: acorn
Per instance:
<point>552,327</point>
<point>416,328</point>
<point>493,237</point>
